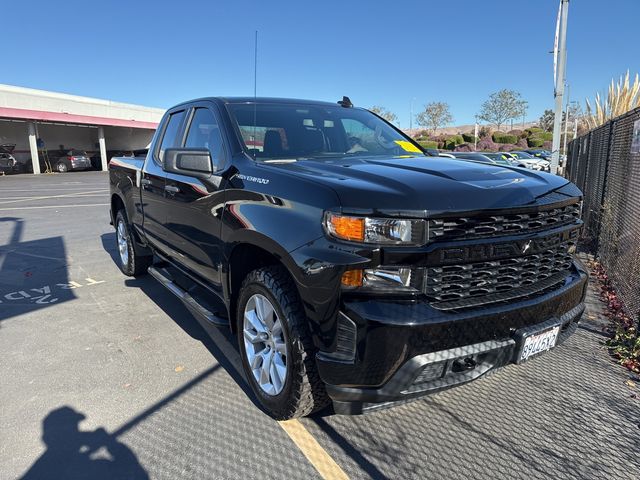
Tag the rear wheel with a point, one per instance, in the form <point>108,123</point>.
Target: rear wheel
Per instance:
<point>62,167</point>
<point>131,263</point>
<point>275,345</point>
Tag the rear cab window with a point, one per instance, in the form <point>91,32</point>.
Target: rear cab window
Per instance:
<point>170,135</point>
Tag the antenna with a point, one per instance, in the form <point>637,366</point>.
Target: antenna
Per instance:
<point>255,68</point>
<point>255,94</point>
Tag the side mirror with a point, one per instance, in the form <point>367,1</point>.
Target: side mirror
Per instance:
<point>195,162</point>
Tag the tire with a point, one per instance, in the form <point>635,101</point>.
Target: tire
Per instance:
<point>61,167</point>
<point>130,263</point>
<point>302,391</point>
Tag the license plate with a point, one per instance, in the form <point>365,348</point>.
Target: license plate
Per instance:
<point>538,343</point>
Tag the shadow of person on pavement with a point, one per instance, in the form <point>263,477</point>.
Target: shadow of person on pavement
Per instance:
<point>75,454</point>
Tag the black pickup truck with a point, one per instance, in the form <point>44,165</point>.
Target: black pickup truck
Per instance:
<point>353,268</point>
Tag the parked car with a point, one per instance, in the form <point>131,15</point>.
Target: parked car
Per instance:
<point>539,153</point>
<point>65,161</point>
<point>504,156</point>
<point>532,162</point>
<point>8,164</point>
<point>481,157</point>
<point>353,268</point>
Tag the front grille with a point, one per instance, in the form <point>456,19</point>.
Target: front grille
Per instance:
<point>473,284</point>
<point>482,226</point>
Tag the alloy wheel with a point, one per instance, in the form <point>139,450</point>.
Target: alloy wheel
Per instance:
<point>265,344</point>
<point>123,247</point>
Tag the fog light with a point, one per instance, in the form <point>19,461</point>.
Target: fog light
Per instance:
<point>352,278</point>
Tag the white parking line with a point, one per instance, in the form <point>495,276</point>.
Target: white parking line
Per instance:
<point>41,188</point>
<point>81,195</point>
<point>55,206</point>
<point>47,197</point>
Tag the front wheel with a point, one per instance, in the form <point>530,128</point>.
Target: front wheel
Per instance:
<point>131,263</point>
<point>277,353</point>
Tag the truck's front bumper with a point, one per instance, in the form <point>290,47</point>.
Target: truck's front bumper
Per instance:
<point>403,351</point>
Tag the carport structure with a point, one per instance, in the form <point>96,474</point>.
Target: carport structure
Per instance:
<point>37,121</point>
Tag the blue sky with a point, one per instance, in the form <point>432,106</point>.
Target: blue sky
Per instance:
<point>159,53</point>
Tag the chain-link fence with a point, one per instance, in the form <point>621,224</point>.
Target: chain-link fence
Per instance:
<point>605,164</point>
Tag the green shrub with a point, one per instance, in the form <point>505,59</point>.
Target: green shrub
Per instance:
<point>469,138</point>
<point>532,131</point>
<point>535,142</point>
<point>450,144</point>
<point>428,144</point>
<point>546,136</point>
<point>499,137</point>
<point>457,139</point>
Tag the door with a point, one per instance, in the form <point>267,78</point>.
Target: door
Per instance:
<point>152,181</point>
<point>194,205</point>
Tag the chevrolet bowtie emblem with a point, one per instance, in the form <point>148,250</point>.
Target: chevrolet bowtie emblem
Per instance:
<point>526,247</point>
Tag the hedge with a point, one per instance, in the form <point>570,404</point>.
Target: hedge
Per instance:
<point>504,138</point>
<point>533,130</point>
<point>535,142</point>
<point>428,144</point>
<point>450,144</point>
<point>457,139</point>
<point>546,136</point>
<point>469,138</point>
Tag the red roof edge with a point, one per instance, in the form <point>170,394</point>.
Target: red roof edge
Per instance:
<point>43,116</point>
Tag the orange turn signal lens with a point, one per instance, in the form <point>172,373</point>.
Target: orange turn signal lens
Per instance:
<point>352,278</point>
<point>347,228</point>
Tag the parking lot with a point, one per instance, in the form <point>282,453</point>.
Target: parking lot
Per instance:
<point>113,376</point>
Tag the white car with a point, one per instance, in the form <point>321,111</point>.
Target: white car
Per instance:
<point>534,163</point>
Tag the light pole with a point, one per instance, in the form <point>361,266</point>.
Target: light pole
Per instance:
<point>559,85</point>
<point>566,122</point>
<point>475,134</point>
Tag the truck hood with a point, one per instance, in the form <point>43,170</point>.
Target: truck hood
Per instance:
<point>425,185</point>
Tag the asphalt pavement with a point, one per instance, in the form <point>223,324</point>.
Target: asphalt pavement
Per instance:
<point>104,376</point>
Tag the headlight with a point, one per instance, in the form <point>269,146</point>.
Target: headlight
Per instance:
<point>381,280</point>
<point>386,231</point>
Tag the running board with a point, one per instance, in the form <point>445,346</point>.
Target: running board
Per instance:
<point>191,303</point>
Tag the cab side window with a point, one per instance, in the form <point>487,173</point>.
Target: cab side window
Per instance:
<point>204,132</point>
<point>170,136</point>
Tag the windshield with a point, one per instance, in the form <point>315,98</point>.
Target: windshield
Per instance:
<point>525,155</point>
<point>498,158</point>
<point>290,131</point>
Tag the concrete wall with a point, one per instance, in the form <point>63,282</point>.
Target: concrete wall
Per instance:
<point>41,100</point>
<point>123,138</point>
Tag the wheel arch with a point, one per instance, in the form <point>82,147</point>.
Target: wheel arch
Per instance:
<point>244,257</point>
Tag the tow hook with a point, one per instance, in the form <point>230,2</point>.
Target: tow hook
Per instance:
<point>463,364</point>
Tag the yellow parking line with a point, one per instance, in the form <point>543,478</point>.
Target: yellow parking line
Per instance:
<point>309,446</point>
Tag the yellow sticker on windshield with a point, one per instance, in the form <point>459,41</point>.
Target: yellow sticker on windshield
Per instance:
<point>408,146</point>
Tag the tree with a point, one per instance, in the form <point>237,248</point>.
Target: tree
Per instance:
<point>388,115</point>
<point>546,120</point>
<point>503,106</point>
<point>434,116</point>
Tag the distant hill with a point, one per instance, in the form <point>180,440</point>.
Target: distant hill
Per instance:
<point>469,128</point>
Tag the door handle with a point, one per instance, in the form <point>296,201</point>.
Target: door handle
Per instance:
<point>145,182</point>
<point>171,189</point>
